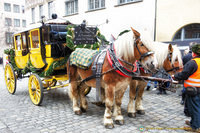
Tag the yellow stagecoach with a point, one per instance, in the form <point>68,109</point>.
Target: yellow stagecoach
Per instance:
<point>41,54</point>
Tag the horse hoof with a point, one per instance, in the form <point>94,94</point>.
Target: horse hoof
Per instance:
<point>141,112</point>
<point>83,110</point>
<point>119,122</point>
<point>78,112</point>
<point>109,126</point>
<point>132,115</point>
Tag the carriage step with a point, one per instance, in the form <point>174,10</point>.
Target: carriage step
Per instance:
<point>57,86</point>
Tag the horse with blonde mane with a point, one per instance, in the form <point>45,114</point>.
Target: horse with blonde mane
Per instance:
<point>169,58</point>
<point>128,48</point>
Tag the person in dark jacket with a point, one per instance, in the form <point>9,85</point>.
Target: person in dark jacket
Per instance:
<point>191,77</point>
<point>185,59</point>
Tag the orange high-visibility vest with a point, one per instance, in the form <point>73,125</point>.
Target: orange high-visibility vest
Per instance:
<point>194,79</point>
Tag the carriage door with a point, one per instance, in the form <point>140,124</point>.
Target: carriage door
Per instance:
<point>20,60</point>
<point>35,50</point>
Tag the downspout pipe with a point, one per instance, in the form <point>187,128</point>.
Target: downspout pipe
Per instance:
<point>155,19</point>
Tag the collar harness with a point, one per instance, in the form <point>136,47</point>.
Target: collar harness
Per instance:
<point>117,65</point>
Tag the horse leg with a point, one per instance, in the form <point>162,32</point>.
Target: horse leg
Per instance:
<point>73,90</point>
<point>138,102</point>
<point>83,100</point>
<point>109,97</point>
<point>117,107</point>
<point>132,94</point>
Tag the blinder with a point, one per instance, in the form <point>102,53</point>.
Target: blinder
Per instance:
<point>142,55</point>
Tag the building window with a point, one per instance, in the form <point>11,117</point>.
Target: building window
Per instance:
<point>189,32</point>
<point>40,11</point>
<point>33,15</point>
<point>23,23</point>
<point>23,10</point>
<point>96,4</point>
<point>127,1</point>
<point>71,7</point>
<point>9,37</point>
<point>7,7</point>
<point>16,22</point>
<point>50,9</point>
<point>8,22</point>
<point>16,8</point>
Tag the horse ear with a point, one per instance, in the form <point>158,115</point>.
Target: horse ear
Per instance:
<point>170,48</point>
<point>136,33</point>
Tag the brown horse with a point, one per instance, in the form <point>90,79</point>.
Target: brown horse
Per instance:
<point>128,48</point>
<point>169,58</point>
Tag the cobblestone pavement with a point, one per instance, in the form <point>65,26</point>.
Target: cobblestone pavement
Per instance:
<point>18,115</point>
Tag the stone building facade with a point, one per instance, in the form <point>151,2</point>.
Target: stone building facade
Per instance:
<point>12,19</point>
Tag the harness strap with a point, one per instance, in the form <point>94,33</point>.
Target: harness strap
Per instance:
<point>97,68</point>
<point>114,62</point>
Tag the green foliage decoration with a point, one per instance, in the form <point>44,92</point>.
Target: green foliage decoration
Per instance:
<point>11,54</point>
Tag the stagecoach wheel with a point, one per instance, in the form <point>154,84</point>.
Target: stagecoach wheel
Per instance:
<point>35,88</point>
<point>10,78</point>
<point>87,91</point>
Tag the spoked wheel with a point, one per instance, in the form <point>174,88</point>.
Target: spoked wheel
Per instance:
<point>87,91</point>
<point>35,89</point>
<point>10,78</point>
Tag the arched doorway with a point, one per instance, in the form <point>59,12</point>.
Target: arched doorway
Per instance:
<point>186,35</point>
<point>188,32</point>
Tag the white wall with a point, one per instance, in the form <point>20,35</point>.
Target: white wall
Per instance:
<point>175,14</point>
<point>139,15</point>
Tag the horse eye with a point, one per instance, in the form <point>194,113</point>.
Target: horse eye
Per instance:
<point>142,44</point>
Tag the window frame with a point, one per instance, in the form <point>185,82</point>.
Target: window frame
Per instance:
<point>41,11</point>
<point>16,8</point>
<point>23,9</point>
<point>5,9</point>
<point>16,22</point>
<point>32,39</point>
<point>128,2</point>
<point>23,23</point>
<point>74,9</point>
<point>33,14</point>
<point>8,36</point>
<point>94,4</point>
<point>50,9</point>
<point>18,47</point>
<point>7,21</point>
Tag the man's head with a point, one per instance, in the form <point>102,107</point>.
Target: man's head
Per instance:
<point>190,45</point>
<point>196,50</point>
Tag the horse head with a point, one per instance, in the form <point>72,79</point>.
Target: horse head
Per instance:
<point>173,62</point>
<point>142,51</point>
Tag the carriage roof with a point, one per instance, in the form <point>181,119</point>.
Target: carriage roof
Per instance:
<point>39,25</point>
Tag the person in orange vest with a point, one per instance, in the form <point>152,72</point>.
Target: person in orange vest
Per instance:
<point>191,77</point>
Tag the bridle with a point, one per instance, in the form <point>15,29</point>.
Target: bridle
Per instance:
<point>119,68</point>
<point>142,56</point>
<point>174,69</point>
